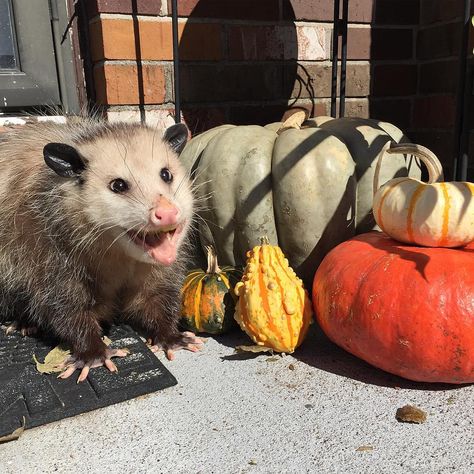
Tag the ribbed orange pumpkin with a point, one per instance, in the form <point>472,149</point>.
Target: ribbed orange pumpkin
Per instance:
<point>433,214</point>
<point>208,298</point>
<point>273,307</point>
<point>408,310</point>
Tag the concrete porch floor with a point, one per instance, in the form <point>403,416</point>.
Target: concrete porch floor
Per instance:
<point>317,411</point>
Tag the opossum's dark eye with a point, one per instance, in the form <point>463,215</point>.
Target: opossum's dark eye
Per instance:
<point>118,185</point>
<point>165,175</point>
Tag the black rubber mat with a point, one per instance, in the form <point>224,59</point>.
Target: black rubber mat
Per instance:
<point>30,398</point>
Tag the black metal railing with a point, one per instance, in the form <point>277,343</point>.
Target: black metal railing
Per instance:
<point>464,95</point>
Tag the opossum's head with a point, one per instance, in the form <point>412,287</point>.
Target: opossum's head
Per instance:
<point>127,180</point>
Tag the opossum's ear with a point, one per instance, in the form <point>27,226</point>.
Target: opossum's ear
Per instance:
<point>64,160</point>
<point>176,136</point>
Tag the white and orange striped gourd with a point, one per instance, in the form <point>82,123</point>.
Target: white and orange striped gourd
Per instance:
<point>273,307</point>
<point>432,214</point>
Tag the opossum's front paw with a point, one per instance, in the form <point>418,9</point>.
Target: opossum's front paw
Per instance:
<point>184,340</point>
<point>74,363</point>
<point>23,330</point>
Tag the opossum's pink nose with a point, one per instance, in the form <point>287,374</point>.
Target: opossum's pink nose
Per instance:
<point>164,213</point>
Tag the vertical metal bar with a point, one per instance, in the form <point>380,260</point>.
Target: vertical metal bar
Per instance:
<point>54,15</point>
<point>176,84</point>
<point>342,85</point>
<point>334,57</point>
<point>83,21</point>
<point>461,126</point>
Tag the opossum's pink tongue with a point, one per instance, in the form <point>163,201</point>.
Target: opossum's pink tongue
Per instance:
<point>162,247</point>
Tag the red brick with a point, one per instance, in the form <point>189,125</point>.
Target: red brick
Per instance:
<point>249,42</point>
<point>439,77</point>
<point>229,82</point>
<point>314,80</point>
<point>396,12</point>
<point>394,80</point>
<point>439,41</point>
<point>396,111</point>
<point>124,84</point>
<point>201,119</point>
<point>360,11</point>
<point>201,41</point>
<point>359,43</point>
<point>264,10</point>
<point>433,11</point>
<point>392,43</point>
<point>356,108</point>
<point>139,7</point>
<point>434,112</point>
<point>379,43</point>
<point>256,114</point>
<point>117,39</point>
<point>441,143</point>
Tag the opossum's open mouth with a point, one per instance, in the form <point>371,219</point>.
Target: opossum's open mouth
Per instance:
<point>160,244</point>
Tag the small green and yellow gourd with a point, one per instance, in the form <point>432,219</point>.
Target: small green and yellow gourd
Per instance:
<point>208,298</point>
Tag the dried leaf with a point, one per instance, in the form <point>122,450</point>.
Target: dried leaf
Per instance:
<point>15,435</point>
<point>54,360</point>
<point>293,121</point>
<point>254,349</point>
<point>410,414</point>
<point>365,448</point>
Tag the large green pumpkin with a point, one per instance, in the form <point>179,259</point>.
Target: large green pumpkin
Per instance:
<point>307,189</point>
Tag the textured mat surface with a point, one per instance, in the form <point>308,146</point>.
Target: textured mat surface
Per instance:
<point>31,398</point>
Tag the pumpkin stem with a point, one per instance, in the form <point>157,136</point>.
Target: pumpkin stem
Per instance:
<point>212,265</point>
<point>264,240</point>
<point>428,158</point>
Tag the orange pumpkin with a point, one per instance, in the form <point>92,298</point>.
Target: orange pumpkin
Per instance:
<point>405,309</point>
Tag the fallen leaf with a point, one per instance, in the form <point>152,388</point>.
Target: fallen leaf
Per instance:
<point>254,348</point>
<point>410,414</point>
<point>54,360</point>
<point>365,448</point>
<point>15,435</point>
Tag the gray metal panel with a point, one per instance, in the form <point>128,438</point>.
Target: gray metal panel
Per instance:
<point>36,83</point>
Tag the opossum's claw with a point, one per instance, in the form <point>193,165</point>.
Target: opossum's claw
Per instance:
<point>186,340</point>
<point>23,330</point>
<point>72,364</point>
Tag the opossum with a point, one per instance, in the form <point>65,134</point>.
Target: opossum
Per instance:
<point>93,224</point>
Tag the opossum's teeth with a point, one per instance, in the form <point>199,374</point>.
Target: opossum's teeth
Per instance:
<point>161,245</point>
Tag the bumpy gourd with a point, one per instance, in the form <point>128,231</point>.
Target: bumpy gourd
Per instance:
<point>208,298</point>
<point>433,214</point>
<point>273,306</point>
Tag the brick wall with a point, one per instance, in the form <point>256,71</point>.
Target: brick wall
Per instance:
<point>247,61</point>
